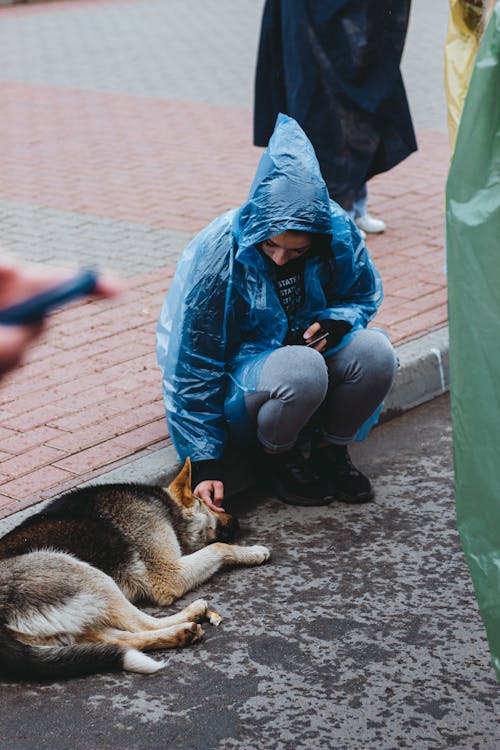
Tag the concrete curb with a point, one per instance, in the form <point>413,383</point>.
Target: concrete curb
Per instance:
<point>423,375</point>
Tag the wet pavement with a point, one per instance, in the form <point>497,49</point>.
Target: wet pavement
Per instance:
<point>361,631</point>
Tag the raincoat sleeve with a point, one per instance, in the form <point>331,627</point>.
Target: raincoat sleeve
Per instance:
<point>357,292</point>
<point>191,350</point>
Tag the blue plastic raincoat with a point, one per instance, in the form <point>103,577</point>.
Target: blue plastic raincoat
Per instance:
<point>222,316</point>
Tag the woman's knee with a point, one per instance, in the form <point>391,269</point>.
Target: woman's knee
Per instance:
<point>295,373</point>
<point>376,356</point>
<point>368,356</point>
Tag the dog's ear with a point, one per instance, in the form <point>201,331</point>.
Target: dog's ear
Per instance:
<point>180,489</point>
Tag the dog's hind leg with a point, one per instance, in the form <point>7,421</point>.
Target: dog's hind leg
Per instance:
<point>170,581</point>
<point>180,635</point>
<point>194,612</point>
<point>125,616</point>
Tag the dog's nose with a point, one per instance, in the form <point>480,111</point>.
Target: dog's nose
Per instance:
<point>228,529</point>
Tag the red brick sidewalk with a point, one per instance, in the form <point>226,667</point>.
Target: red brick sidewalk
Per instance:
<point>89,396</point>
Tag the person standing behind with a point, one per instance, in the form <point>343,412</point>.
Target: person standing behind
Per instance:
<point>335,68</point>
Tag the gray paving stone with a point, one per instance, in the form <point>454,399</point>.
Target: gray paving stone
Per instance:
<point>187,50</point>
<point>45,235</point>
<point>180,49</point>
<point>423,63</point>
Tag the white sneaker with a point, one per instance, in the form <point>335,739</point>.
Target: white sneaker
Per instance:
<point>370,224</point>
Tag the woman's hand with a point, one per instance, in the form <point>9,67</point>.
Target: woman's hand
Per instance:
<point>211,491</point>
<point>335,331</point>
<point>14,340</point>
<point>19,281</point>
<point>313,332</point>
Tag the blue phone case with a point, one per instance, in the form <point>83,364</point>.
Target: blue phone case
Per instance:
<point>34,309</point>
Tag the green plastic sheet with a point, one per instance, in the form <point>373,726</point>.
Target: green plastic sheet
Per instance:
<point>473,250</point>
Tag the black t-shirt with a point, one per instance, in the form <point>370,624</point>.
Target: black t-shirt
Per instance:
<point>289,284</point>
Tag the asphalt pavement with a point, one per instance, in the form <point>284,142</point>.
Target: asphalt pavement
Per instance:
<point>361,631</point>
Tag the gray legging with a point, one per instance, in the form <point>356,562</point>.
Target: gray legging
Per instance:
<point>348,385</point>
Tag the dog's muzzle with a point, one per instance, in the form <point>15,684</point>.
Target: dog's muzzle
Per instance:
<point>227,529</point>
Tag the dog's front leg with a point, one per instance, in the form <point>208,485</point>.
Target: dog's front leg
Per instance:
<point>192,570</point>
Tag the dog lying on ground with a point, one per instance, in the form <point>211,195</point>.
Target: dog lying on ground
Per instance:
<point>69,575</point>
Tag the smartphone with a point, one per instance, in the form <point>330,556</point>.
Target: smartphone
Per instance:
<point>34,309</point>
<point>323,335</point>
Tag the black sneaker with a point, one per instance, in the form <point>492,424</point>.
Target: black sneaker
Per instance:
<point>345,481</point>
<point>294,479</point>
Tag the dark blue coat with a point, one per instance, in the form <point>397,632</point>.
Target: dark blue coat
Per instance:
<point>334,67</point>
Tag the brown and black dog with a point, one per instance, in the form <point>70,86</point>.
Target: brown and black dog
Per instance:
<point>69,573</point>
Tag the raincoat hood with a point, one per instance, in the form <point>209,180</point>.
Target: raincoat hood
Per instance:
<point>288,191</point>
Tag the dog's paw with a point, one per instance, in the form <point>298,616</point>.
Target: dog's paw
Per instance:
<point>189,632</point>
<point>194,632</point>
<point>258,554</point>
<point>197,610</point>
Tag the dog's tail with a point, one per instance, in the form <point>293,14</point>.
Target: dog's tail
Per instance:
<point>22,661</point>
